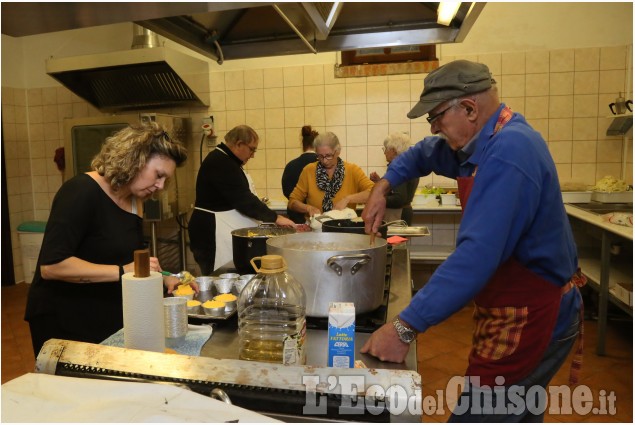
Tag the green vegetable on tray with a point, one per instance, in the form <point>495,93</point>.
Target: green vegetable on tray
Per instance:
<point>432,190</point>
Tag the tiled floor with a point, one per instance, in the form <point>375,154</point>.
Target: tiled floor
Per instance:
<point>442,354</point>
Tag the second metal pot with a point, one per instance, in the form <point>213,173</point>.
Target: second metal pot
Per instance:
<point>335,267</point>
<point>250,242</point>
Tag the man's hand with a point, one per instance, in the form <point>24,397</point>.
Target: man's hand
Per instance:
<point>375,208</point>
<point>385,344</point>
<point>374,177</point>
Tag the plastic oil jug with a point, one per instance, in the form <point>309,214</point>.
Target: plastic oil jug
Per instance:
<point>272,315</point>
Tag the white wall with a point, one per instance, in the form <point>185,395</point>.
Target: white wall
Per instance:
<point>526,26</point>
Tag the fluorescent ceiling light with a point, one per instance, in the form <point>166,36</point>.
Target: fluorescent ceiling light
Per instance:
<point>447,11</point>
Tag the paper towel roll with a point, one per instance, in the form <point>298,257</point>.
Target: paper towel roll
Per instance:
<point>143,327</point>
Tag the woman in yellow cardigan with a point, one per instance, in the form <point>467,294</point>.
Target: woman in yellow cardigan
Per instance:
<point>330,183</point>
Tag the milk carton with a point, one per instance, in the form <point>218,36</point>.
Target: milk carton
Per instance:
<point>341,334</point>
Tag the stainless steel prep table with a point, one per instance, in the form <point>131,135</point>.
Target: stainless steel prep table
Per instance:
<point>223,343</point>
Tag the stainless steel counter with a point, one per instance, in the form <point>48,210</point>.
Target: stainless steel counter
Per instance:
<point>224,341</point>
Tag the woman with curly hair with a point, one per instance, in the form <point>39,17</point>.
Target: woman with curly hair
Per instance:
<point>94,227</point>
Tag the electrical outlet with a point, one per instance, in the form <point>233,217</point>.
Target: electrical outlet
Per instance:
<point>208,128</point>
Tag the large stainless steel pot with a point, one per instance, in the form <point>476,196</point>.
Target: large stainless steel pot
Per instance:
<point>335,267</point>
<point>250,242</point>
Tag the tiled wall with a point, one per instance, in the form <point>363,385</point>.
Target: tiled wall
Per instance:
<point>564,94</point>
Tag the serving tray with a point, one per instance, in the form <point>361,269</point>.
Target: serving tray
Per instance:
<point>408,231</point>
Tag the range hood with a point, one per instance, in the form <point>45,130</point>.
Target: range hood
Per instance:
<point>147,76</point>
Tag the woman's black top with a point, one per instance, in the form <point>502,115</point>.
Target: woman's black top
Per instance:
<point>84,223</point>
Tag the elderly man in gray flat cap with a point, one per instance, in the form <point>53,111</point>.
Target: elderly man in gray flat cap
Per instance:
<point>515,256</point>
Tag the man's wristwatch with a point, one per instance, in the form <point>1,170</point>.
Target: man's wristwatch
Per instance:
<point>406,334</point>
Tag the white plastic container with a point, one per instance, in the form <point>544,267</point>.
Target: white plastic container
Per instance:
<point>582,197</point>
<point>612,197</point>
<point>30,245</point>
<point>448,199</point>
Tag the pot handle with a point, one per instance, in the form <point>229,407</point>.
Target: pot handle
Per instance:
<point>363,259</point>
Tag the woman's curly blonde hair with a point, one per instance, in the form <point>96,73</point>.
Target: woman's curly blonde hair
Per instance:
<point>126,153</point>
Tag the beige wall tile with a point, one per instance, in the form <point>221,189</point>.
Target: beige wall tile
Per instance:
<point>537,107</point>
<point>416,88</point>
<point>80,110</point>
<point>560,106</point>
<point>235,100</point>
<point>20,115</point>
<point>607,169</point>
<point>541,125</point>
<point>220,123</point>
<point>537,62</point>
<point>399,91</point>
<point>376,135</point>
<point>292,138</point>
<point>609,151</point>
<point>512,63</point>
<point>586,82</point>
<point>585,128</point>
<point>398,111</point>
<point>560,152</point>
<point>377,91</point>
<point>234,80</point>
<point>583,173</point>
<point>314,95</point>
<point>613,57</point>
<point>273,77</point>
<point>49,96</point>
<point>19,97</point>
<point>335,115</point>
<point>8,114</point>
<point>276,158</point>
<point>585,105</point>
<point>537,84</point>
<point>254,99</point>
<point>587,59</point>
<point>612,82</point>
<point>274,97</point>
<point>560,83</point>
<point>293,76</point>
<point>254,79</point>
<point>359,155</point>
<point>377,113</point>
<point>584,152</point>
<point>293,117</point>
<point>561,60</point>
<point>216,82</point>
<point>355,92</point>
<point>235,118</point>
<point>7,96</point>
<point>275,137</point>
<point>564,173</point>
<point>356,135</point>
<point>293,96</point>
<point>493,62</point>
<point>329,75</point>
<point>560,129</point>
<point>255,118</point>
<point>34,97</point>
<point>356,115</point>
<point>313,75</point>
<point>315,116</point>
<point>334,94</point>
<point>513,86</point>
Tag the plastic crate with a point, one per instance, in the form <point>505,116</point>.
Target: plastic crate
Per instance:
<point>30,235</point>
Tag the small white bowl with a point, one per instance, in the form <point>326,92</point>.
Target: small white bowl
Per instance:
<point>240,285</point>
<point>224,286</point>
<point>246,276</point>
<point>216,312</point>
<point>205,283</point>
<point>448,199</point>
<point>229,305</point>
<point>229,276</point>
<point>195,309</point>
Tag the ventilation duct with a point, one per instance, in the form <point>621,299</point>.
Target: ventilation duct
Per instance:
<point>148,76</point>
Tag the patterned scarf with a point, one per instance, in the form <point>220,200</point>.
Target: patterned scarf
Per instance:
<point>332,186</point>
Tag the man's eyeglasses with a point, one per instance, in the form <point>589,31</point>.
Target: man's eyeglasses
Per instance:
<point>251,149</point>
<point>327,157</point>
<point>432,118</point>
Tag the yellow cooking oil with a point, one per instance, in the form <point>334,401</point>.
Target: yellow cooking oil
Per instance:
<point>272,316</point>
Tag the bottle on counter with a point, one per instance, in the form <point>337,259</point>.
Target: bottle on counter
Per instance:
<point>272,315</point>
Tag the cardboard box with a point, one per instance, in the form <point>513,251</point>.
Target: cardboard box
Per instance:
<point>341,335</point>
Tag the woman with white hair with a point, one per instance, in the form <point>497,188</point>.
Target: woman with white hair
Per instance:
<point>399,200</point>
<point>330,183</point>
